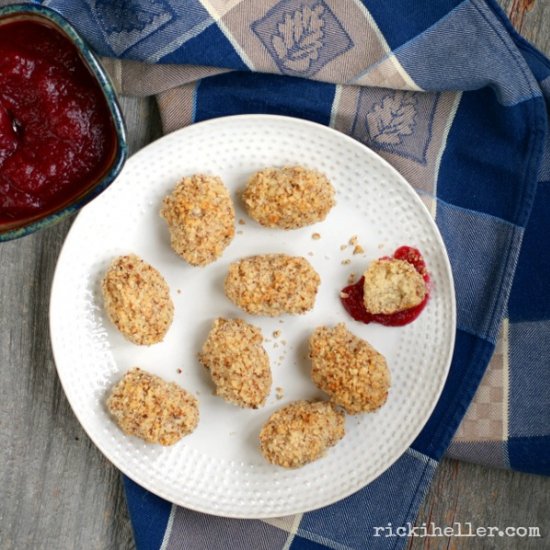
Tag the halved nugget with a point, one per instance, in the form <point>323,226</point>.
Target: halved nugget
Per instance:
<point>272,284</point>
<point>289,197</point>
<point>152,409</point>
<point>392,285</point>
<point>238,363</point>
<point>301,432</point>
<point>137,300</point>
<point>200,217</point>
<point>348,369</point>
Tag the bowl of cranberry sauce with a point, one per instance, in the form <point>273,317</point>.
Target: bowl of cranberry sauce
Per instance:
<point>62,134</point>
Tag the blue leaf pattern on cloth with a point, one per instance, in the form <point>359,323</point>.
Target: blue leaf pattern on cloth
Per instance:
<point>393,118</point>
<point>299,38</point>
<point>302,36</point>
<point>127,15</point>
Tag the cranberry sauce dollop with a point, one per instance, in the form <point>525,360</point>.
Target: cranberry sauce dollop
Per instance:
<point>352,296</point>
<point>56,132</point>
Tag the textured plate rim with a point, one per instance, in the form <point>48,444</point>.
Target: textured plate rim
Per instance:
<point>444,373</point>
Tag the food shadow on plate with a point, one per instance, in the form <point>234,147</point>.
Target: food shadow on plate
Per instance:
<point>104,329</point>
<point>250,436</point>
<point>302,360</point>
<point>198,337</point>
<point>217,292</point>
<point>158,235</point>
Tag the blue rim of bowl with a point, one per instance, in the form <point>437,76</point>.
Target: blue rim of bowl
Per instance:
<point>116,113</point>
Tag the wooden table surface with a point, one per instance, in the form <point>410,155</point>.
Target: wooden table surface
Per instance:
<point>57,490</point>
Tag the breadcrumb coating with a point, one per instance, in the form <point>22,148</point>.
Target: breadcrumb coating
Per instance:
<point>238,363</point>
<point>301,432</point>
<point>152,409</point>
<point>289,197</point>
<point>137,300</point>
<point>348,369</point>
<point>392,285</point>
<point>272,284</point>
<point>200,217</point>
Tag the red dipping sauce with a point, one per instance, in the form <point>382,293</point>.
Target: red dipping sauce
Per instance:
<point>57,137</point>
<point>352,296</point>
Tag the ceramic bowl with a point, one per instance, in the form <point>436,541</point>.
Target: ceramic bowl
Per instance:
<point>95,186</point>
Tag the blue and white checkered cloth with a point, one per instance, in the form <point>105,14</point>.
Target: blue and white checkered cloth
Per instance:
<point>449,94</point>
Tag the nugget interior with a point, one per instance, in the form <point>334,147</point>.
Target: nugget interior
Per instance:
<point>392,285</point>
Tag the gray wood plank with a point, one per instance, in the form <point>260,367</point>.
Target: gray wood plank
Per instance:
<point>58,492</point>
<point>484,497</point>
<point>536,26</point>
<point>532,19</point>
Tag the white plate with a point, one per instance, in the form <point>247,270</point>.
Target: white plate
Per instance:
<point>219,469</point>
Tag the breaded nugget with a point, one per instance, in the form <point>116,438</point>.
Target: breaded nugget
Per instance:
<point>200,217</point>
<point>238,363</point>
<point>289,197</point>
<point>348,369</point>
<point>301,432</point>
<point>137,300</point>
<point>146,406</point>
<point>272,284</point>
<point>392,285</point>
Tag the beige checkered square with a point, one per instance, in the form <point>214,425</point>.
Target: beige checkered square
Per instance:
<point>484,420</point>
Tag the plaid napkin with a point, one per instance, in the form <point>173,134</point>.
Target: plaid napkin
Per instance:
<point>450,95</point>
